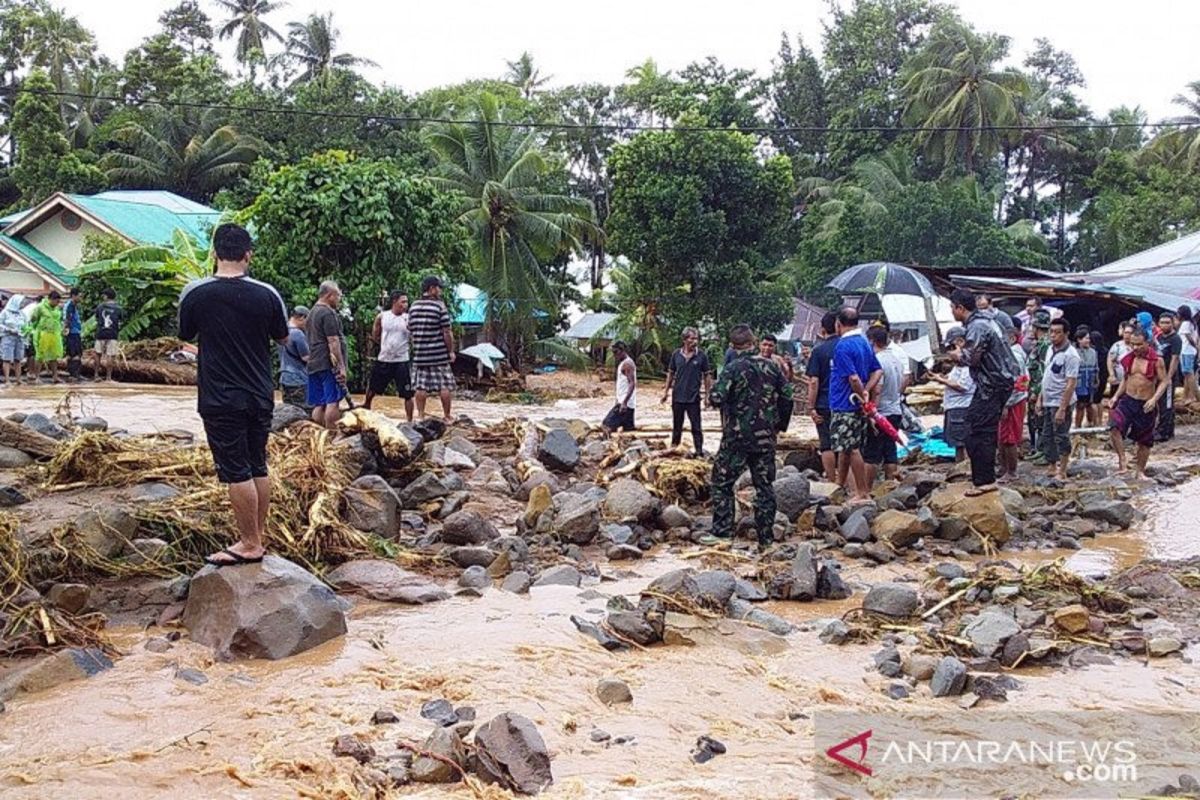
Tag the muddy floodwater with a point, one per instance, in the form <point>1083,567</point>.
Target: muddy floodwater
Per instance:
<point>264,729</point>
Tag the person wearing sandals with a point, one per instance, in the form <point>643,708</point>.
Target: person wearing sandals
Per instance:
<point>234,319</point>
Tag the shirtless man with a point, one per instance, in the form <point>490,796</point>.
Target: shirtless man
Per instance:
<point>1135,403</point>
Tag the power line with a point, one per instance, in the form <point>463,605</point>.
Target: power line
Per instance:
<point>606,126</point>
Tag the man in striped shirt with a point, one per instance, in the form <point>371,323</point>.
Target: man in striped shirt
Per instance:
<point>432,347</point>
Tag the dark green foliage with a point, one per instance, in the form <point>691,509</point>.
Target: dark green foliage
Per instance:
<point>46,163</point>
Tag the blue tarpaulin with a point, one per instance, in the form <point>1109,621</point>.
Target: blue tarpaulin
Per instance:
<point>930,442</point>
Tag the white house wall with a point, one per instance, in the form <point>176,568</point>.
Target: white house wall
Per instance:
<point>64,246</point>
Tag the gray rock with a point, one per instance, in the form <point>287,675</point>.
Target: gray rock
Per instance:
<point>192,676</point>
<point>835,632</point>
<point>158,644</point>
<point>106,531</point>
<point>286,415</point>
<point>441,712</point>
<point>612,691</point>
<point>357,456</point>
<point>71,664</point>
<point>919,667</point>
<point>749,591</point>
<point>629,500</point>
<point>892,600</point>
<point>989,631</point>
<point>70,597</point>
<point>578,521</point>
<point>471,556</point>
<point>715,587</point>
<point>453,504</point>
<point>442,742</point>
<point>512,753</point>
<point>617,534</point>
<point>675,517</point>
<point>475,578</point>
<point>623,552</point>
<point>742,610</point>
<point>147,551</point>
<point>605,639</point>
<point>903,497</point>
<point>468,527</point>
<point>461,444</point>
<point>950,677</point>
<point>598,736</point>
<point>1114,512</point>
<point>676,583</point>
<point>558,450</point>
<point>562,575</point>
<point>948,571</point>
<point>424,488</point>
<point>384,716</point>
<point>1160,646</point>
<point>830,585</point>
<point>539,478</point>
<point>856,528</point>
<point>925,482</point>
<point>634,626</point>
<point>453,482</point>
<point>516,548</point>
<point>385,580</point>
<point>799,581</point>
<point>953,528</point>
<point>878,552</point>
<point>791,496</point>
<point>270,610</point>
<point>517,582</point>
<point>595,451</point>
<point>153,493</point>
<point>46,427</point>
<point>11,458</point>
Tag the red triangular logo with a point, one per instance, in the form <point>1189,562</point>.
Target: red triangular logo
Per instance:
<point>861,740</point>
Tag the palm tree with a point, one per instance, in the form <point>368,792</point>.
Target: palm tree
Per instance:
<point>1179,147</point>
<point>188,151</point>
<point>647,87</point>
<point>953,90</point>
<point>311,45</point>
<point>516,227</point>
<point>88,106</point>
<point>59,44</point>
<point>525,76</point>
<point>253,32</point>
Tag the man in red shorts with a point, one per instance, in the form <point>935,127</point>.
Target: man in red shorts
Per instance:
<point>1135,403</point>
<point>1012,421</point>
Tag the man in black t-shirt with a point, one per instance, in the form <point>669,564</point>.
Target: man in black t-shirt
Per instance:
<point>234,319</point>
<point>1170,349</point>
<point>818,370</point>
<point>687,371</point>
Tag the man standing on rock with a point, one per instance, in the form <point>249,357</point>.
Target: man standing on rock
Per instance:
<point>1170,348</point>
<point>1037,348</point>
<point>1135,402</point>
<point>755,401</point>
<point>620,417</point>
<point>293,358</point>
<point>880,449</point>
<point>234,319</point>
<point>818,371</point>
<point>326,357</point>
<point>1059,376</point>
<point>432,347</point>
<point>986,353</point>
<point>390,332</point>
<point>687,374</point>
<point>852,378</point>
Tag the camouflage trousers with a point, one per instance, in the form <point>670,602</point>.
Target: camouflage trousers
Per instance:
<point>727,468</point>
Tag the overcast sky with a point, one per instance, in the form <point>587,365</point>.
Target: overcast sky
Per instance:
<point>1132,53</point>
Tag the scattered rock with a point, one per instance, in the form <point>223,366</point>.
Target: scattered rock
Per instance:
<point>461,444</point>
<point>629,500</point>
<point>892,600</point>
<point>153,493</point>
<point>158,644</point>
<point>442,742</point>
<point>539,502</point>
<point>558,450</point>
<point>1163,645</point>
<point>468,527</point>
<point>70,597</point>
<point>598,736</point>
<point>424,488</point>
<point>384,716</point>
<point>11,497</point>
<point>634,626</point>
<point>106,531</point>
<point>372,506</point>
<point>707,748</point>
<point>791,496</point>
<point>71,664</point>
<point>918,666</point>
<point>715,587</point>
<point>286,415</point>
<point>1114,512</point>
<point>623,552</point>
<point>897,529</point>
<point>475,578</point>
<point>747,612</point>
<point>517,582</point>
<point>577,519</point>
<point>612,691</point>
<point>675,517</point>
<point>192,676</point>
<point>799,581</point>
<point>385,580</point>
<point>147,551</point>
<point>749,591</point>
<point>512,753</point>
<point>989,631</point>
<point>605,639</point>
<point>856,528</point>
<point>1072,618</point>
<point>11,458</point>
<point>830,585</point>
<point>440,711</point>
<point>350,746</point>
<point>985,513</point>
<point>835,632</point>
<point>949,678</point>
<point>897,691</point>
<point>471,556</point>
<point>270,610</point>
<point>676,583</point>
<point>46,427</point>
<point>562,575</point>
<point>825,492</point>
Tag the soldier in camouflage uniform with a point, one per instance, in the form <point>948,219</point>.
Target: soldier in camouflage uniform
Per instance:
<point>1037,367</point>
<point>755,402</point>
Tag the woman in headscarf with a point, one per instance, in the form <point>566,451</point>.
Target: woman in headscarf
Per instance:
<point>1146,320</point>
<point>47,322</point>
<point>12,338</point>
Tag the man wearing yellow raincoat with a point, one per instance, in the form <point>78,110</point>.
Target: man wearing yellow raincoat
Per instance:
<point>47,323</point>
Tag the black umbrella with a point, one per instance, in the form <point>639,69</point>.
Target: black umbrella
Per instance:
<point>882,277</point>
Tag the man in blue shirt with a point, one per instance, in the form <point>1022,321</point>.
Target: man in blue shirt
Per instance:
<point>293,360</point>
<point>853,376</point>
<point>73,322</point>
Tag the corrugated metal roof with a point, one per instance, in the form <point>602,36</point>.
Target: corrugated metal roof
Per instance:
<point>13,217</point>
<point>149,218</point>
<point>35,256</point>
<point>471,302</point>
<point>589,325</point>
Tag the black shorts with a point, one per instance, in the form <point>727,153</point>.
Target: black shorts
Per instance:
<point>238,441</point>
<point>74,345</point>
<point>881,449</point>
<point>825,444</point>
<point>385,373</point>
<point>616,418</point>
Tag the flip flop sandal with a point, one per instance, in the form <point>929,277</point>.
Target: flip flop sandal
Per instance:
<point>237,559</point>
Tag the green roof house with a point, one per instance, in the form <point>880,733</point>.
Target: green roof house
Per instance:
<point>39,247</point>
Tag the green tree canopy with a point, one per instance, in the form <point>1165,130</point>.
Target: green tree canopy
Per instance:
<point>45,161</point>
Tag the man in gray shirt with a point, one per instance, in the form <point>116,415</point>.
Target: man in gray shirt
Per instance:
<point>881,449</point>
<point>1058,395</point>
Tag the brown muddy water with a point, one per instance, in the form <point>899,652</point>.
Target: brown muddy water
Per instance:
<point>264,729</point>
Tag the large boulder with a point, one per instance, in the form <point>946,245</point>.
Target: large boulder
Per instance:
<point>286,415</point>
<point>577,519</point>
<point>385,580</point>
<point>629,500</point>
<point>791,496</point>
<point>985,513</point>
<point>989,631</point>
<point>46,427</point>
<point>72,664</point>
<point>1114,512</point>
<point>424,488</point>
<point>373,506</point>
<point>558,450</point>
<point>270,610</point>
<point>897,528</point>
<point>511,752</point>
<point>539,501</point>
<point>892,600</point>
<point>799,581</point>
<point>451,758</point>
<point>107,530</point>
<point>468,527</point>
<point>11,458</point>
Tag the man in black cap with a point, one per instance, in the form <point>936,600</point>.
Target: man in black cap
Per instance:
<point>432,345</point>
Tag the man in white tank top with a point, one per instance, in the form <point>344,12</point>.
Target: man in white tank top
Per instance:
<point>621,415</point>
<point>390,333</point>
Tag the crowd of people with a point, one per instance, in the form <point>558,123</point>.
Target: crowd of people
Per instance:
<point>38,333</point>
